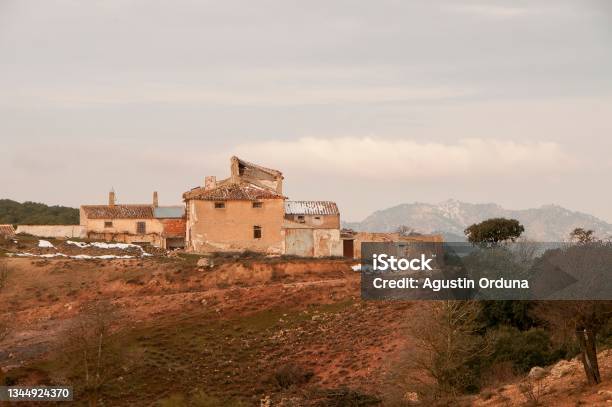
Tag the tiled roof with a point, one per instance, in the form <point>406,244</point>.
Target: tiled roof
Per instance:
<point>311,208</point>
<point>232,192</point>
<point>7,230</point>
<point>169,212</point>
<point>118,211</point>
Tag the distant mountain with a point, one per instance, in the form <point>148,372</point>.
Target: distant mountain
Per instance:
<point>548,223</point>
<point>32,213</point>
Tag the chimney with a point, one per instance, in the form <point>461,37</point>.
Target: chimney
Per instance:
<point>111,198</point>
<point>155,199</point>
<point>210,182</point>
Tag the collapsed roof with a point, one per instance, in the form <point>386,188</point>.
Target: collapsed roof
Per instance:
<point>242,191</point>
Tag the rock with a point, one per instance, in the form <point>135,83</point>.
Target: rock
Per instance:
<point>411,396</point>
<point>203,302</point>
<point>562,368</point>
<point>537,373</point>
<point>606,394</point>
<point>203,262</point>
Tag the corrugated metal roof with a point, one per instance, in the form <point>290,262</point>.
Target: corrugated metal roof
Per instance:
<point>311,208</point>
<point>232,192</point>
<point>169,212</point>
<point>118,211</point>
<point>7,230</point>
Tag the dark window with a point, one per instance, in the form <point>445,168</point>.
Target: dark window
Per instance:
<point>219,205</point>
<point>301,219</point>
<point>257,204</point>
<point>256,232</point>
<point>141,228</point>
<point>108,224</point>
<point>317,218</point>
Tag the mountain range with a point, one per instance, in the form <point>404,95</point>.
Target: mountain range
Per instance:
<point>548,223</point>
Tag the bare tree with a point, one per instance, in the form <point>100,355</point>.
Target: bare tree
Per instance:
<point>404,230</point>
<point>446,351</point>
<point>4,330</point>
<point>88,348</point>
<point>4,273</point>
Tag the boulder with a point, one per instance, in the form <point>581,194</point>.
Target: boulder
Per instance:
<point>563,368</point>
<point>605,394</point>
<point>204,262</point>
<point>537,373</point>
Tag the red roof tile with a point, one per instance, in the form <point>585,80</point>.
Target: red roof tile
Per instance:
<point>118,211</point>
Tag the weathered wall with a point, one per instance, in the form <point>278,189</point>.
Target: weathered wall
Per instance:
<point>231,228</point>
<point>319,221</point>
<point>361,237</point>
<point>121,226</point>
<point>151,238</point>
<point>299,242</point>
<point>58,231</point>
<point>313,242</point>
<point>124,230</point>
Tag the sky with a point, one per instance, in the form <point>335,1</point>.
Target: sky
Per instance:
<point>366,103</point>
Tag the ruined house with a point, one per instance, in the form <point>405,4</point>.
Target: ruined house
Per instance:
<point>248,211</point>
<point>161,226</point>
<point>242,212</point>
<point>7,231</point>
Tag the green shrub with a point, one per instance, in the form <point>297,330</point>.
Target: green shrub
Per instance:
<point>517,314</point>
<point>525,349</point>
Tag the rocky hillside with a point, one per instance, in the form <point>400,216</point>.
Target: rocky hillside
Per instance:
<point>547,223</point>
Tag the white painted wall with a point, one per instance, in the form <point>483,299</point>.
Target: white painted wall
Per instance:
<point>53,230</point>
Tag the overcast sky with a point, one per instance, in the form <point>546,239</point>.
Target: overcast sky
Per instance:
<point>370,104</point>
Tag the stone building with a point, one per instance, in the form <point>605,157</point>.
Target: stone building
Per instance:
<point>248,211</point>
<point>312,229</point>
<point>161,226</point>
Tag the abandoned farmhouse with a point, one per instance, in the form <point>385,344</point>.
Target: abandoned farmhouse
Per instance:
<point>246,211</point>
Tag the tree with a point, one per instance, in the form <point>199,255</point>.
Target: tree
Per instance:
<point>404,230</point>
<point>4,330</point>
<point>494,231</point>
<point>583,236</point>
<point>447,348</point>
<point>90,358</point>
<point>585,319</point>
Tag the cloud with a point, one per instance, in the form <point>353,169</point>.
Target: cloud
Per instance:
<point>250,93</point>
<point>400,158</point>
<point>486,10</point>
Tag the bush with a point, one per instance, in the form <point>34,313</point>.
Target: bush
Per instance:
<point>525,349</point>
<point>290,375</point>
<point>517,314</point>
